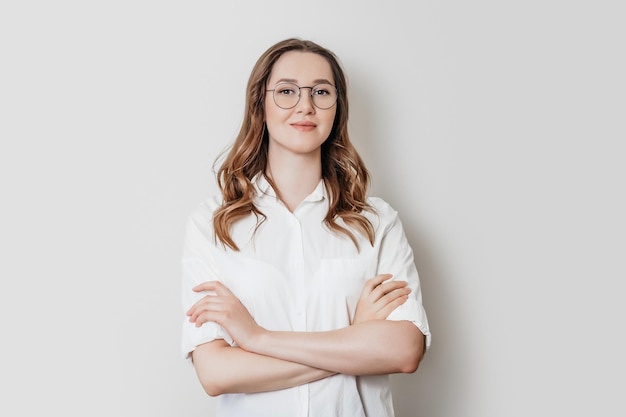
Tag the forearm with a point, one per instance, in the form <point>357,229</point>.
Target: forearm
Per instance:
<point>224,369</point>
<point>368,348</point>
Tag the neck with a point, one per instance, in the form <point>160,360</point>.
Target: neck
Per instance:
<point>294,176</point>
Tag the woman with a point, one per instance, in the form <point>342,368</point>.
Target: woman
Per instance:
<point>301,291</point>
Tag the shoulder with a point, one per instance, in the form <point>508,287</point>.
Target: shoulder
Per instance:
<point>201,218</point>
<point>383,216</point>
<point>382,209</point>
<point>206,208</point>
<point>381,206</point>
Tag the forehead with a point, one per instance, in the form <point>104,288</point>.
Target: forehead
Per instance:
<point>301,67</point>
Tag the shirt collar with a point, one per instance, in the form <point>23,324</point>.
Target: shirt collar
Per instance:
<point>264,189</point>
<point>263,186</point>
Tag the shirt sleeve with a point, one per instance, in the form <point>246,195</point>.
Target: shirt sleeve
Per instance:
<point>197,267</point>
<point>396,257</point>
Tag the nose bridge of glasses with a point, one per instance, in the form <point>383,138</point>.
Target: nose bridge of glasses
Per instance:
<point>308,97</point>
<point>310,91</point>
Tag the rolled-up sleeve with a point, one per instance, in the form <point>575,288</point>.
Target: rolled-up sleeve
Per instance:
<point>396,257</point>
<point>197,267</point>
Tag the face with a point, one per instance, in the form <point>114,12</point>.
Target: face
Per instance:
<point>304,128</point>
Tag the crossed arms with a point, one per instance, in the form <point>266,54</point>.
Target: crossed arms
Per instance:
<point>270,360</point>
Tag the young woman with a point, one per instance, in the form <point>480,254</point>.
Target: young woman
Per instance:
<point>300,291</point>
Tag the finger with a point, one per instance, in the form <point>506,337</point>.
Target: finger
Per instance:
<point>374,282</point>
<point>206,286</point>
<point>207,316</point>
<point>389,286</point>
<point>209,302</point>
<point>217,286</point>
<point>389,307</point>
<point>386,288</point>
<point>196,311</point>
<point>391,296</point>
<point>199,313</point>
<point>201,302</point>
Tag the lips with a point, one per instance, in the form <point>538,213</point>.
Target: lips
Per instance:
<point>304,124</point>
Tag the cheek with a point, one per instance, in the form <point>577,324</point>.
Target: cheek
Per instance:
<point>330,121</point>
<point>273,114</point>
<point>272,121</point>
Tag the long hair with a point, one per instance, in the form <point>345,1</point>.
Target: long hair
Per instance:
<point>345,176</point>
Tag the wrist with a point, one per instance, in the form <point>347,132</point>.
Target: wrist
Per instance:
<point>257,340</point>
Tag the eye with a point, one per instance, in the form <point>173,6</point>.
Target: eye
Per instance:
<point>321,91</point>
<point>324,90</point>
<point>285,90</point>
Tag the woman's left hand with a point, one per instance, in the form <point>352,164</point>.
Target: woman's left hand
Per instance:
<point>224,308</point>
<point>379,297</point>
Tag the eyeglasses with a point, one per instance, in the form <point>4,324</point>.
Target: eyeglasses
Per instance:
<point>287,95</point>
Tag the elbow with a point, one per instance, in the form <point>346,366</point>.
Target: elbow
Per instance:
<point>414,355</point>
<point>411,363</point>
<point>210,377</point>
<point>213,390</point>
<point>212,387</point>
<point>212,374</point>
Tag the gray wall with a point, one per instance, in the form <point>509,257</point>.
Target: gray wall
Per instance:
<point>496,129</point>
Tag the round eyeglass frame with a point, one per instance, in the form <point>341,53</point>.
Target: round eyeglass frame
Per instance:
<point>311,88</point>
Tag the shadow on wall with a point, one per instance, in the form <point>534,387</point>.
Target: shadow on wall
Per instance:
<point>426,392</point>
<point>434,388</point>
<point>431,390</point>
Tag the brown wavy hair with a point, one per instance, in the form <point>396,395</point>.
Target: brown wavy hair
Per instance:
<point>345,176</point>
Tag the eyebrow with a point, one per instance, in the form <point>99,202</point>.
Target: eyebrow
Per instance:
<point>294,81</point>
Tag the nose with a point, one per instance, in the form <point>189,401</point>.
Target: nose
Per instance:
<point>305,104</point>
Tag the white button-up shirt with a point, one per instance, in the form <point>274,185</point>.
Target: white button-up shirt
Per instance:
<point>294,274</point>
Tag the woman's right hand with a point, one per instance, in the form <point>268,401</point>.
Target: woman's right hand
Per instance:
<point>379,298</point>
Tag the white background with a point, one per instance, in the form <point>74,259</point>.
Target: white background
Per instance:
<point>495,128</point>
